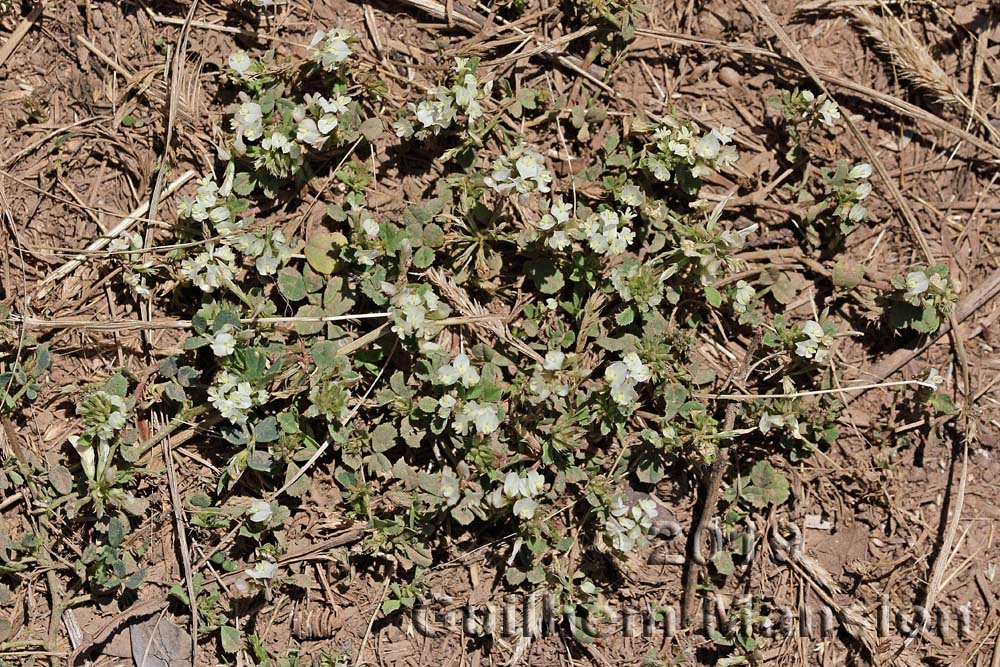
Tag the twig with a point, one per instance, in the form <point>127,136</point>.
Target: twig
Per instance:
<point>713,488</point>
<point>175,500</point>
<point>371,622</point>
<point>102,241</point>
<point>20,32</point>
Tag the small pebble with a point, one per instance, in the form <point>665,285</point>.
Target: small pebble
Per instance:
<point>729,77</point>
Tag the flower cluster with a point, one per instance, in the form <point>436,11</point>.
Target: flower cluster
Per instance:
<point>638,282</point>
<point>679,147</point>
<point>210,269</point>
<point>623,376</point>
<point>554,220</point>
<point>629,523</point>
<point>247,123</point>
<point>471,413</point>
<point>549,379</point>
<point>318,117</point>
<point>460,370</point>
<point>919,285</point>
<point>822,108</point>
<point>438,110</point>
<point>851,192</point>
<point>233,397</point>
<point>413,310</point>
<point>522,170</point>
<point>103,414</point>
<point>330,48</point>
<point>608,231</point>
<point>816,342</point>
<point>519,490</point>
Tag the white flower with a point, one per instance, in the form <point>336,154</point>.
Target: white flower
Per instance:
<point>88,457</point>
<point>459,370</point>
<point>558,214</point>
<point>308,133</point>
<point>917,283</point>
<point>767,421</point>
<point>263,570</point>
<point>260,511</point>
<point>524,508</point>
<point>860,172</point>
<point>632,195</point>
<point>223,343</point>
<point>240,62</point>
<point>554,360</point>
<point>934,378</point>
<point>817,342</point>
<point>330,48</point>
<point>369,226</point>
<point>484,417</point>
<point>403,128</point>
<point>247,122</point>
<point>522,170</point>
<point>622,376</point>
<point>487,420</point>
<point>829,112</point>
<point>233,398</point>
<point>743,296</point>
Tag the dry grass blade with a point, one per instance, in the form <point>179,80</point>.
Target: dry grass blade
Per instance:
<point>20,32</point>
<point>485,322</point>
<point>897,41</point>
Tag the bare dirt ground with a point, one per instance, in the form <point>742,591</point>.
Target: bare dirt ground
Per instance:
<point>900,511</point>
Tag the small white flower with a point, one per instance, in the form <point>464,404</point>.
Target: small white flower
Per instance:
<point>554,360</point>
<point>260,511</point>
<point>330,48</point>
<point>223,343</point>
<point>934,378</point>
<point>860,172</point>
<point>369,226</point>
<point>240,62</point>
<point>524,508</point>
<point>917,283</point>
<point>767,421</point>
<point>829,112</point>
<point>263,570</point>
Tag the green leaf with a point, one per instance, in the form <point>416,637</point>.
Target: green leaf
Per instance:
<point>713,296</point>
<point>319,251</point>
<point>625,318</point>
<point>231,639</point>
<point>337,298</point>
<point>423,257</point>
<point>292,285</point>
<point>723,562</point>
<point>768,486</point>
<point>389,606</point>
<point>324,354</point>
<point>116,532</point>
<point>309,328</point>
<point>371,129</point>
<point>546,276</point>
<point>383,437</point>
<point>266,430</point>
